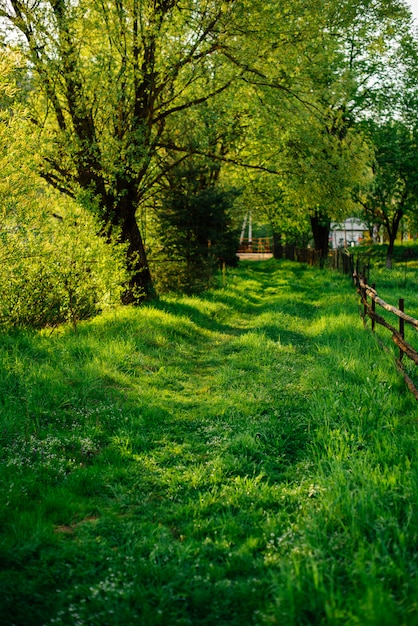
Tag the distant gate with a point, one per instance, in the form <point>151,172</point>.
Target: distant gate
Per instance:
<point>258,245</point>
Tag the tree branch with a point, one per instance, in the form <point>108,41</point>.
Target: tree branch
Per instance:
<point>217,157</point>
<point>55,182</point>
<point>191,103</point>
<point>264,82</point>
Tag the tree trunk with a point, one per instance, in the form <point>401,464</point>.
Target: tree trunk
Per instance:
<point>277,245</point>
<point>320,225</point>
<point>122,216</point>
<point>140,286</point>
<point>389,253</point>
<point>392,227</point>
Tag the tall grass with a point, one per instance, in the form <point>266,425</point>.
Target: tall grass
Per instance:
<point>392,285</point>
<point>400,281</point>
<point>247,456</point>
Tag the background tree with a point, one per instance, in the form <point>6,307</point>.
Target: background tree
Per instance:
<point>342,65</point>
<point>267,197</point>
<point>195,231</point>
<point>393,192</point>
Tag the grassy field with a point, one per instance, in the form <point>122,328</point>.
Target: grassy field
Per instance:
<point>245,457</point>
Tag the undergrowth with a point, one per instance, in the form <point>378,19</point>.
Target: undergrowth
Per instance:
<point>248,456</point>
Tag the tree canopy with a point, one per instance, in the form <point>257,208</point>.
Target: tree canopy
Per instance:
<point>124,92</point>
<point>108,81</point>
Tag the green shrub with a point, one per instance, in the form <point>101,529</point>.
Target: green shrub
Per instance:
<point>193,230</point>
<point>54,268</point>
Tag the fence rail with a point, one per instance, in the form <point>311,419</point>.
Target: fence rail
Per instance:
<point>398,333</point>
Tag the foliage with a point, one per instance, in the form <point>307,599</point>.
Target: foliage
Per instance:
<point>247,456</point>
<point>52,266</point>
<point>122,92</point>
<point>194,229</point>
<point>54,270</point>
<point>392,193</point>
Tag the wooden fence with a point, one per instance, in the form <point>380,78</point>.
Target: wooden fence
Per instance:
<point>344,261</point>
<point>301,255</point>
<point>370,299</point>
<point>257,245</point>
<point>339,259</point>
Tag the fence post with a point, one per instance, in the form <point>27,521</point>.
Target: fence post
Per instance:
<point>366,273</point>
<point>401,325</point>
<point>364,294</point>
<point>373,307</point>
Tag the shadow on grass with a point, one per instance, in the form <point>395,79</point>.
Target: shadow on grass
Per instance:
<point>171,431</point>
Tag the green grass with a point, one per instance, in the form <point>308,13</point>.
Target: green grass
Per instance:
<point>245,457</point>
<point>401,281</point>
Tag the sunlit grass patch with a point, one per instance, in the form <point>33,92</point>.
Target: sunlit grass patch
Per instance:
<point>247,456</point>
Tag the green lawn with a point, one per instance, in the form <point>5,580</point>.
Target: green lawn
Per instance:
<point>245,457</point>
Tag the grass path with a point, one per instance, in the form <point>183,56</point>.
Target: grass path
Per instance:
<point>243,457</point>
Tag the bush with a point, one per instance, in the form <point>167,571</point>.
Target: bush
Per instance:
<point>53,266</point>
<point>55,269</point>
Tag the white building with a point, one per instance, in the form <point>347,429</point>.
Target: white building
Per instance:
<point>347,233</point>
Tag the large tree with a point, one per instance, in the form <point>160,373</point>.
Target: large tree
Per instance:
<point>107,82</point>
